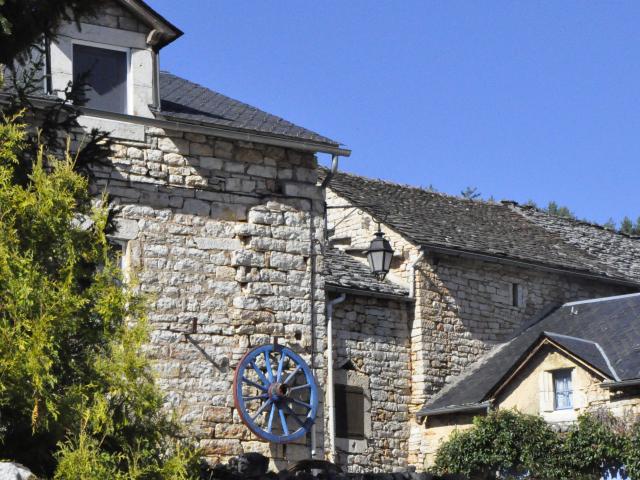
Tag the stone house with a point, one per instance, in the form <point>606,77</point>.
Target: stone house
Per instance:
<point>237,237</point>
<point>477,273</point>
<point>218,214</point>
<point>581,357</point>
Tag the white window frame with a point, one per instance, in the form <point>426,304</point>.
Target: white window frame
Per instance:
<point>106,46</point>
<point>554,375</point>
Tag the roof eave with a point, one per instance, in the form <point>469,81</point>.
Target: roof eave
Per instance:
<point>369,293</point>
<point>449,410</point>
<point>230,133</point>
<point>168,31</point>
<point>632,382</point>
<point>261,137</point>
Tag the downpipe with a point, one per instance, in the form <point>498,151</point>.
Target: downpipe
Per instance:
<point>330,390</point>
<point>412,269</point>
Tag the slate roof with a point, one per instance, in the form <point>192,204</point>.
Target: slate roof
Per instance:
<point>612,323</point>
<point>343,271</point>
<point>588,350</point>
<point>433,220</point>
<point>188,101</point>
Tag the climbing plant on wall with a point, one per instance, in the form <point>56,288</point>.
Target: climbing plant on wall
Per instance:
<point>509,444</point>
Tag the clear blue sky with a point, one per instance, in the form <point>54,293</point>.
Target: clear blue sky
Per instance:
<point>524,99</point>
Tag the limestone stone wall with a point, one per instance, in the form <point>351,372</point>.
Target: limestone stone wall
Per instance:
<point>113,15</point>
<point>463,306</point>
<point>223,237</point>
<point>372,335</point>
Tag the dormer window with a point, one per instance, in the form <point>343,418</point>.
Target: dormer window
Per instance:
<point>105,74</point>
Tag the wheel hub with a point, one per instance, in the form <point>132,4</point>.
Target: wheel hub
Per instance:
<point>278,391</point>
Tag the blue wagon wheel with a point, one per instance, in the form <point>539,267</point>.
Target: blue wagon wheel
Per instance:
<point>275,393</point>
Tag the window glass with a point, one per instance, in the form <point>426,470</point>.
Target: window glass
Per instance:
<point>563,392</point>
<point>104,73</point>
<point>349,408</point>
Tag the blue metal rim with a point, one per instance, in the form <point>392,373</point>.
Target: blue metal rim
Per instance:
<point>269,396</point>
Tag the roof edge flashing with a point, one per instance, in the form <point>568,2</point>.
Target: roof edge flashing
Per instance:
<point>601,299</point>
<point>469,408</point>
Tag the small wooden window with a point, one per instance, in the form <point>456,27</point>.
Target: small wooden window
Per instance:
<point>104,73</point>
<point>516,295</point>
<point>563,392</point>
<point>349,411</point>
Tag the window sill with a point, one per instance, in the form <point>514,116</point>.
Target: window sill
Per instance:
<point>351,445</point>
<point>115,128</point>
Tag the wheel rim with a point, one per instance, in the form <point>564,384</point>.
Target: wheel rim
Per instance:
<point>275,393</point>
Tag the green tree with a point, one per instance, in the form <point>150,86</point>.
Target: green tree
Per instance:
<point>626,226</point>
<point>610,224</point>
<point>23,23</point>
<point>76,393</point>
<point>505,443</point>
<point>595,443</point>
<point>471,193</point>
<point>559,211</point>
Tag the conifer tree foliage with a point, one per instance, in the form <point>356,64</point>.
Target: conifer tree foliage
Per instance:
<point>24,22</point>
<point>77,396</point>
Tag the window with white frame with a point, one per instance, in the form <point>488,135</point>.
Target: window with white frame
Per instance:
<point>562,390</point>
<point>104,72</point>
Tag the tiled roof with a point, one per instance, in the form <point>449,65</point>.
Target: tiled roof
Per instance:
<point>343,271</point>
<point>188,101</point>
<point>612,323</point>
<point>500,230</point>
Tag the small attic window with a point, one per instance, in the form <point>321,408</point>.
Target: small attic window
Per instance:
<point>517,295</point>
<point>104,72</point>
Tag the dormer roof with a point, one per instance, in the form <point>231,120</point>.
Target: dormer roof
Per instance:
<point>163,32</point>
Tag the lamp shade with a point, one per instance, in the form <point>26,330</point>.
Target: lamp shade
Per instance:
<point>379,255</point>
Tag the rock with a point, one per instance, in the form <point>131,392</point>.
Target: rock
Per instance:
<point>15,471</point>
<point>250,465</point>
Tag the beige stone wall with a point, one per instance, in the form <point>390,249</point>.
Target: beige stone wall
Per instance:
<point>373,334</point>
<point>463,306</point>
<point>224,235</point>
<point>438,429</point>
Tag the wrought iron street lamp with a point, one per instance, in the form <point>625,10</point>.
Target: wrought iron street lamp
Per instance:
<point>379,255</point>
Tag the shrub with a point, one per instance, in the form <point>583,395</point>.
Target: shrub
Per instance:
<point>505,443</point>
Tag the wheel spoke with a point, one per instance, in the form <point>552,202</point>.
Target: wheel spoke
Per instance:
<point>271,415</point>
<point>258,397</point>
<point>292,374</point>
<point>260,374</point>
<point>298,402</point>
<point>300,387</point>
<point>280,366</point>
<point>262,408</point>
<point>283,422</point>
<point>293,414</point>
<point>268,367</point>
<point>254,384</point>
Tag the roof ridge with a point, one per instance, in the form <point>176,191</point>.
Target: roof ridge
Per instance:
<point>506,202</point>
<point>413,187</point>
<point>570,220</point>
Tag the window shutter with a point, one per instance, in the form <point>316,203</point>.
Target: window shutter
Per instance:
<point>349,411</point>
<point>546,392</point>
